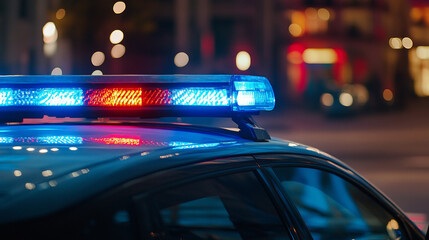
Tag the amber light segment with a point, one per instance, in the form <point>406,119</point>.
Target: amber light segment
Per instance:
<point>114,97</point>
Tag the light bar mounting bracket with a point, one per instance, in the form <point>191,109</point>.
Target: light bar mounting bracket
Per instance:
<point>249,129</point>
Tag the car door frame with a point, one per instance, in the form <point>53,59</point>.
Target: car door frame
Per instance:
<point>269,161</point>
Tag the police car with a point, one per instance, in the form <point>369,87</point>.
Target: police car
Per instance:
<point>104,178</point>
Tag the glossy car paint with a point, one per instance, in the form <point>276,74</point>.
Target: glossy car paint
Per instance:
<point>96,158</point>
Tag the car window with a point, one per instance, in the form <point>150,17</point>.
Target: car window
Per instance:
<point>333,208</point>
<point>227,207</point>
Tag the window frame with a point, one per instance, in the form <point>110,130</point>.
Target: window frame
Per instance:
<point>269,161</point>
<point>176,176</point>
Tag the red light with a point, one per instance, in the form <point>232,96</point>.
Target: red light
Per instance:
<point>114,97</point>
<point>156,97</point>
<point>125,140</point>
<point>118,140</point>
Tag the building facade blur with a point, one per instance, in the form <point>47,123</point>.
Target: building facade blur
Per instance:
<point>21,40</point>
<point>419,55</point>
<point>306,47</point>
<point>332,45</point>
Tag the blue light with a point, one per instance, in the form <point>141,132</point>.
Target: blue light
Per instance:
<point>6,96</point>
<point>246,98</point>
<point>60,97</point>
<point>60,140</point>
<point>175,144</point>
<point>244,86</point>
<point>5,140</point>
<point>71,140</point>
<point>199,97</point>
<point>41,97</point>
<point>252,93</point>
<point>192,146</point>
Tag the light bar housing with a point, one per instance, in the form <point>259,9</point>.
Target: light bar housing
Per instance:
<point>145,96</point>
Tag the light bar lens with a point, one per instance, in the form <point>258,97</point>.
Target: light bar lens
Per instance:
<point>186,97</point>
<point>240,93</point>
<point>199,97</point>
<point>114,97</point>
<point>120,97</point>
<point>253,94</point>
<point>41,97</point>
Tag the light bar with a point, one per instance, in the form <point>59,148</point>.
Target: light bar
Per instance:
<point>146,95</point>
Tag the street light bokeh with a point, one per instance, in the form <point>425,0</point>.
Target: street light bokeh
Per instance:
<point>119,7</point>
<point>181,59</point>
<point>243,60</point>
<point>118,51</point>
<point>116,36</point>
<point>97,58</point>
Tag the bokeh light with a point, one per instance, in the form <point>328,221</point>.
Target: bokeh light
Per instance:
<point>323,14</point>
<point>61,13</point>
<point>327,99</point>
<point>387,95</point>
<point>243,60</point>
<point>17,173</point>
<point>346,99</point>
<point>30,186</point>
<point>181,59</point>
<point>50,33</point>
<point>116,36</point>
<point>57,71</point>
<point>295,30</point>
<point>320,56</point>
<point>49,29</point>
<point>407,43</point>
<point>422,52</point>
<point>97,58</point>
<point>47,173</point>
<point>395,43</point>
<point>119,7</point>
<point>97,72</point>
<point>118,51</point>
<point>43,150</point>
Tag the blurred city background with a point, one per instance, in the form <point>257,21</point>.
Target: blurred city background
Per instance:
<point>340,56</point>
<point>350,76</point>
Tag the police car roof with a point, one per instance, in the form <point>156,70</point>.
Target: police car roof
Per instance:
<point>49,167</point>
<point>45,168</point>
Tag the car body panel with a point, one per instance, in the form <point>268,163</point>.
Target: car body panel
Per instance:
<point>103,156</point>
